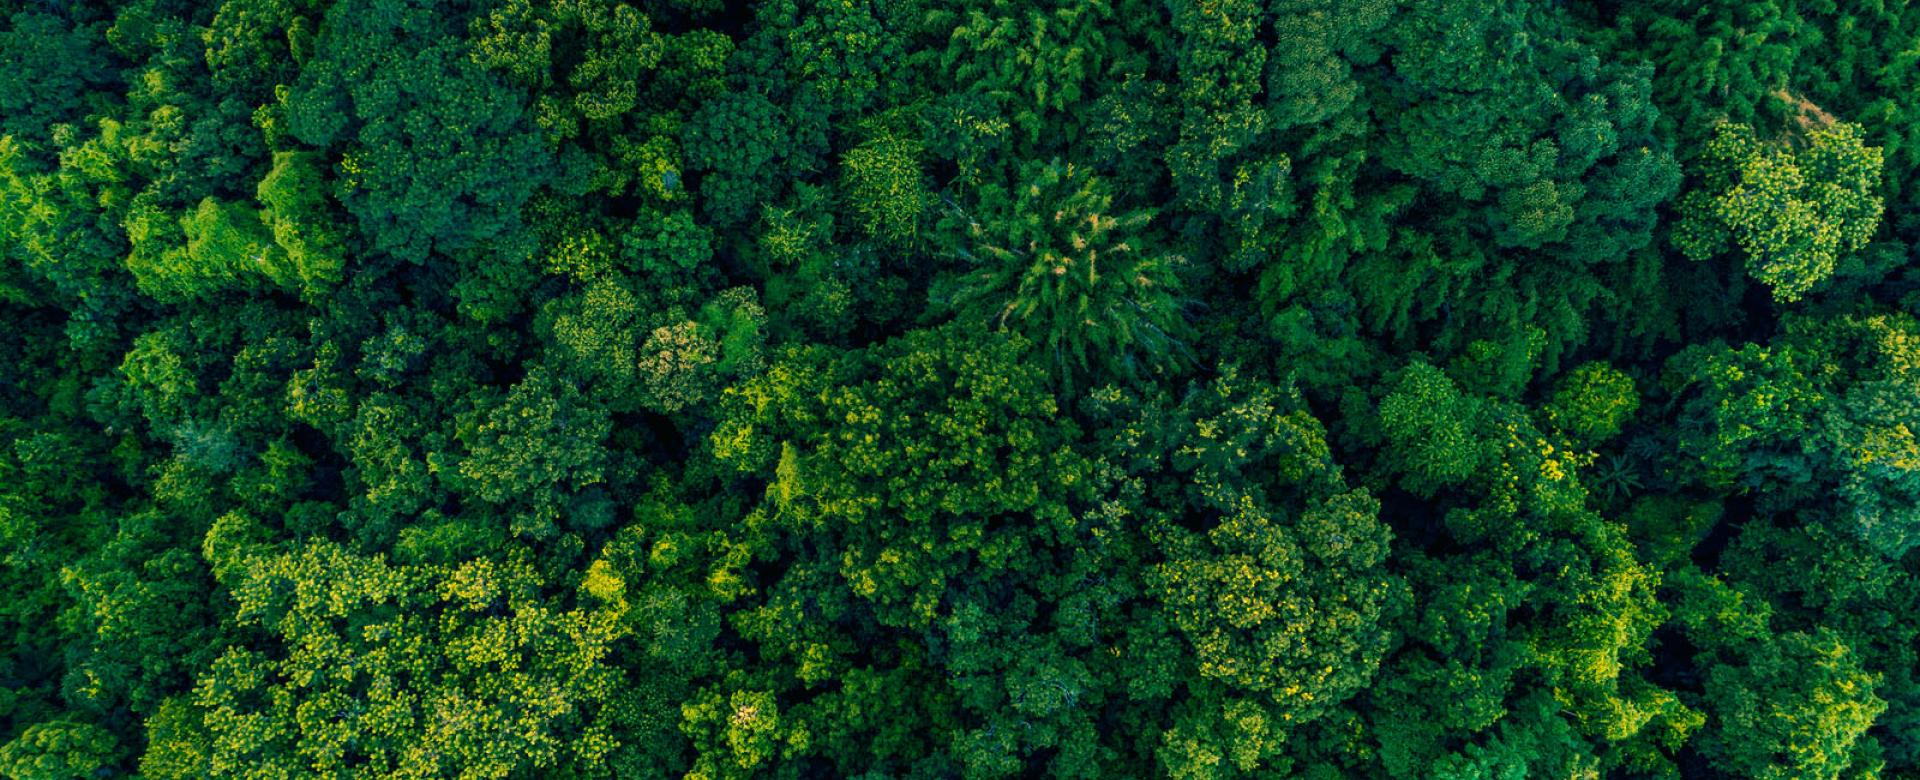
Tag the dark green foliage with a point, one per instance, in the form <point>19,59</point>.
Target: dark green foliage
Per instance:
<point>1768,417</point>
<point>1035,62</point>
<point>534,449</point>
<point>49,69</point>
<point>736,140</point>
<point>435,153</point>
<point>1427,424</point>
<point>927,389</point>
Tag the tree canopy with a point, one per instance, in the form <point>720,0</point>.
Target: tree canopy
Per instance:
<point>931,389</point>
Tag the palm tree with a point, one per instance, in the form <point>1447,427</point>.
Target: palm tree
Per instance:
<point>1081,283</point>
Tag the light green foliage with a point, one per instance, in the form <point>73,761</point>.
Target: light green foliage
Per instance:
<point>1428,425</point>
<point>160,377</point>
<point>376,670</point>
<point>1269,572</point>
<point>1791,214</point>
<point>218,247</point>
<point>673,366</point>
<point>1853,590</point>
<point>1592,402</point>
<point>683,365</point>
<point>294,195</point>
<point>230,544</point>
<point>737,734</point>
<point>1796,705</point>
<point>1288,612</point>
<point>963,457</point>
<point>739,323</point>
<point>1604,611</point>
<point>1220,73</point>
<point>225,243</point>
<point>142,601</point>
<point>595,52</point>
<point>886,189</point>
<point>63,229</point>
<point>177,744</point>
<point>909,502</point>
<point>1590,606</point>
<point>583,256</point>
<point>60,751</point>
<point>1053,263</point>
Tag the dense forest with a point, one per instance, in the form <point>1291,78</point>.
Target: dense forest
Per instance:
<point>917,389</point>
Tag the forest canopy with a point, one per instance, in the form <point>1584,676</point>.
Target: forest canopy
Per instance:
<point>928,389</point>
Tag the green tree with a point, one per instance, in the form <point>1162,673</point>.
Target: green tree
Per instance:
<point>845,54</point>
<point>294,194</point>
<point>1291,613</point>
<point>250,44</point>
<point>1428,426</point>
<point>1089,287</point>
<point>1037,63</point>
<point>1796,705</point>
<point>1592,402</point>
<point>1746,411</point>
<point>222,247</point>
<point>587,61</point>
<point>436,153</point>
<point>60,750</point>
<point>595,334</point>
<point>533,448</point>
<point>1791,214</point>
<point>737,140</point>
<point>885,186</point>
<point>604,388</point>
<point>1714,60</point>
<point>365,668</point>
<point>1820,413</point>
<point>52,68</point>
<point>673,368</point>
